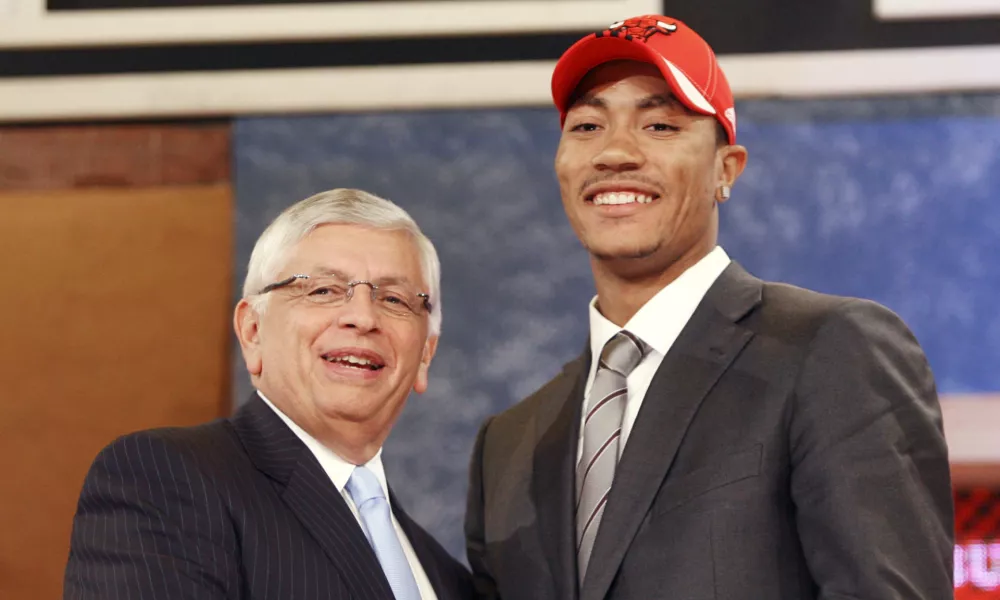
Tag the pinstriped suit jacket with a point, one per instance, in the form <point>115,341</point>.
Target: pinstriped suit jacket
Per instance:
<point>236,508</point>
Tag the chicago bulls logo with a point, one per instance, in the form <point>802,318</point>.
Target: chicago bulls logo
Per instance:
<point>640,28</point>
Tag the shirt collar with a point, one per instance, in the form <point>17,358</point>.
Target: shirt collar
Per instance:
<point>336,468</point>
<point>659,322</point>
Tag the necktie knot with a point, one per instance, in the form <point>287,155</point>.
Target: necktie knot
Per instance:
<point>363,486</point>
<point>623,353</point>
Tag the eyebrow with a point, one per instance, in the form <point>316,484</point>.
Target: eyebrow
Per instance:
<point>645,103</point>
<point>393,281</point>
<point>590,100</point>
<point>658,100</point>
<point>331,272</point>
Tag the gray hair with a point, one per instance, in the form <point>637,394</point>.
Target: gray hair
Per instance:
<point>339,206</point>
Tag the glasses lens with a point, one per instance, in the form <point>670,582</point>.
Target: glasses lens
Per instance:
<point>397,301</point>
<point>325,290</point>
<point>332,291</point>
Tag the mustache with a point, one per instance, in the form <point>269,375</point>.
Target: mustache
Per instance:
<point>616,179</point>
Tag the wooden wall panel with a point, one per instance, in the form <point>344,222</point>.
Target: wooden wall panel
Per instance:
<point>35,157</point>
<point>114,316</point>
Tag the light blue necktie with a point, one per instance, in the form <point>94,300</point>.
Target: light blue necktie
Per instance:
<point>376,522</point>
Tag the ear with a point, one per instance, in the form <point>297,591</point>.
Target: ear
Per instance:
<point>246,322</point>
<point>730,162</point>
<point>430,347</point>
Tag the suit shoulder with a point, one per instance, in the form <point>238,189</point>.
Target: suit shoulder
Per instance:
<point>207,445</point>
<point>798,329</point>
<point>792,312</point>
<point>798,302</point>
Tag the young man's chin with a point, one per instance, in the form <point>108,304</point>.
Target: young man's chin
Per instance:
<point>622,252</point>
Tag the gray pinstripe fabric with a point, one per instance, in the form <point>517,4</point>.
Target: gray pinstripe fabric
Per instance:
<point>601,437</point>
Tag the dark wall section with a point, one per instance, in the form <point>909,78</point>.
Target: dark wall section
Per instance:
<point>730,26</point>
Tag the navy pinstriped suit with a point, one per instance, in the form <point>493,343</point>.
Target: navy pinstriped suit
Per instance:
<point>236,508</point>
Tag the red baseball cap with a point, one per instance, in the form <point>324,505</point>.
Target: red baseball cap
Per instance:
<point>686,61</point>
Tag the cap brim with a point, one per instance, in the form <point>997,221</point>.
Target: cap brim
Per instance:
<point>591,52</point>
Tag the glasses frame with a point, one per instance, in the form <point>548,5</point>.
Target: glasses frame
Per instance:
<point>350,289</point>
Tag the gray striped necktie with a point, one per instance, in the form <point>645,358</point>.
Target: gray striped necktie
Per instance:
<point>601,435</point>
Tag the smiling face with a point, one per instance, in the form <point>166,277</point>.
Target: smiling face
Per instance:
<point>334,367</point>
<point>639,172</point>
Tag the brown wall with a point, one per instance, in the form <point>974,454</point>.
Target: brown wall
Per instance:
<point>130,155</point>
<point>114,313</point>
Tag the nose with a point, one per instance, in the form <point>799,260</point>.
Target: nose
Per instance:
<point>358,311</point>
<point>620,152</point>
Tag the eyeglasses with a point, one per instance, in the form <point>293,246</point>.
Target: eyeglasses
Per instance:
<point>392,299</point>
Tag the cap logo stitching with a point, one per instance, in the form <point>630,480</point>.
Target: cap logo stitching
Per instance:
<point>638,29</point>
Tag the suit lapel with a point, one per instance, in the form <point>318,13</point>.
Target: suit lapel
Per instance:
<point>557,431</point>
<point>706,347</point>
<point>308,492</point>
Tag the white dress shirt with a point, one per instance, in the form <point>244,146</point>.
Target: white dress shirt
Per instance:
<point>339,471</point>
<point>658,323</point>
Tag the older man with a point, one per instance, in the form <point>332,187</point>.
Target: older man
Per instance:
<point>721,437</point>
<point>288,499</point>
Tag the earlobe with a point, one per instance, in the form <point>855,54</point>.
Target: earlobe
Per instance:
<point>421,380</point>
<point>420,383</point>
<point>246,322</point>
<point>733,163</point>
<point>734,160</point>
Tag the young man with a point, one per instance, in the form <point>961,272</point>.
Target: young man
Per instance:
<point>721,437</point>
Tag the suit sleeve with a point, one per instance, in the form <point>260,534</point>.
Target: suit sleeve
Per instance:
<point>475,541</point>
<point>870,477</point>
<point>149,525</point>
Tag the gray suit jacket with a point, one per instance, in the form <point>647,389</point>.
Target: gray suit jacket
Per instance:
<point>789,446</point>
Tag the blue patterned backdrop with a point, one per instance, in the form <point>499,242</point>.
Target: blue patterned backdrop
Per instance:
<point>888,199</point>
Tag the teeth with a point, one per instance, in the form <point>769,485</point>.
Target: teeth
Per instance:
<point>351,359</point>
<point>621,198</point>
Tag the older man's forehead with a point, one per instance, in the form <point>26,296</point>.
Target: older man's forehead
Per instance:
<point>352,251</point>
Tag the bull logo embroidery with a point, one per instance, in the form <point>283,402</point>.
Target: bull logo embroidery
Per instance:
<point>641,28</point>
